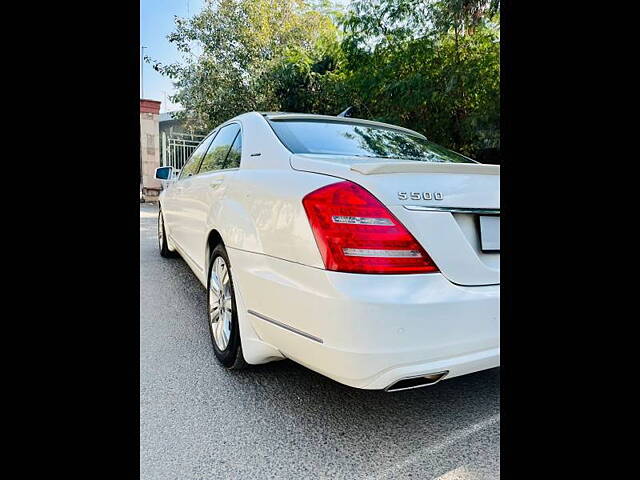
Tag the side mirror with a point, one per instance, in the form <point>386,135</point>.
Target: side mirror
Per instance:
<point>164,173</point>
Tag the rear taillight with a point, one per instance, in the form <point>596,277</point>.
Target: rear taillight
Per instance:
<point>356,233</point>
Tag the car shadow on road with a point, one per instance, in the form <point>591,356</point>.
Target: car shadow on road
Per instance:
<point>287,376</point>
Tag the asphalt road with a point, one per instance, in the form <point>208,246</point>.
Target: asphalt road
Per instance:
<point>280,420</point>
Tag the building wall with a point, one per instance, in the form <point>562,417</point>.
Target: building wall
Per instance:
<point>149,147</point>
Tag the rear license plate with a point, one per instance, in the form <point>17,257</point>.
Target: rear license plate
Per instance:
<point>490,233</point>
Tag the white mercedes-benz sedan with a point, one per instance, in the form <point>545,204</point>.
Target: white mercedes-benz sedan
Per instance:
<point>358,249</point>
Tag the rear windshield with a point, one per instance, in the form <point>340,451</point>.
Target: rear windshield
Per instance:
<point>344,138</point>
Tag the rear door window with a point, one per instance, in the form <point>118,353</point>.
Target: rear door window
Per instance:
<point>233,158</point>
<point>218,157</point>
<point>191,167</point>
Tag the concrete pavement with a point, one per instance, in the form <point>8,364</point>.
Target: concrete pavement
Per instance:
<point>280,420</point>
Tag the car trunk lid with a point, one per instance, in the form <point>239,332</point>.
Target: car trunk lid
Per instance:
<point>439,203</point>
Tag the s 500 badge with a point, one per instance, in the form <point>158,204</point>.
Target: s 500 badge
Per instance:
<point>420,196</point>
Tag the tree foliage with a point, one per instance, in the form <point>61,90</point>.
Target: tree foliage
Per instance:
<point>231,50</point>
<point>429,65</point>
<point>433,66</point>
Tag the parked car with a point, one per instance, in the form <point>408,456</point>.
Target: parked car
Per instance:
<point>358,249</point>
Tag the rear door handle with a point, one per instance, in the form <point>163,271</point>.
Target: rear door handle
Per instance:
<point>216,183</point>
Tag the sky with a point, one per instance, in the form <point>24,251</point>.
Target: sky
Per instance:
<point>156,22</point>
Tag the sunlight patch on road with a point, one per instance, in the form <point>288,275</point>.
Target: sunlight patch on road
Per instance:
<point>431,450</point>
<point>460,473</point>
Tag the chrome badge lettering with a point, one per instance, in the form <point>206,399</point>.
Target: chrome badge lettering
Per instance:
<point>420,196</point>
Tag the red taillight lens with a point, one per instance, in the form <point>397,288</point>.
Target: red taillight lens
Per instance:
<point>356,233</point>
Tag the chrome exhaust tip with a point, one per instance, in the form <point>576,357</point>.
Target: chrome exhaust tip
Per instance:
<point>409,383</point>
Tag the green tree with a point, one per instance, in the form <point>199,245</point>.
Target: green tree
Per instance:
<point>312,80</point>
<point>429,65</point>
<point>230,51</point>
<point>432,66</point>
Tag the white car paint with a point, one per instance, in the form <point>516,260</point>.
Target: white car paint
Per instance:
<point>364,330</point>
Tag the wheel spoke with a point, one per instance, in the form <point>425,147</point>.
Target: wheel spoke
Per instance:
<point>227,305</point>
<point>226,329</point>
<point>216,286</point>
<point>221,343</point>
<point>220,339</point>
<point>223,340</point>
<point>220,271</point>
<point>214,328</point>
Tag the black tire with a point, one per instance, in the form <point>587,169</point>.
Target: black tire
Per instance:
<point>231,356</point>
<point>162,238</point>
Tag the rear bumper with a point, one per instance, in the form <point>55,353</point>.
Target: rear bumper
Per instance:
<point>368,331</point>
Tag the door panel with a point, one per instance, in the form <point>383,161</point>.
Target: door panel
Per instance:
<point>206,195</point>
<point>179,205</point>
<point>207,188</point>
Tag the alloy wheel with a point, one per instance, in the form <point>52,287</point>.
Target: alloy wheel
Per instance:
<point>220,303</point>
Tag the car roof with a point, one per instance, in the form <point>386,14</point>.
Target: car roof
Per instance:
<point>311,116</point>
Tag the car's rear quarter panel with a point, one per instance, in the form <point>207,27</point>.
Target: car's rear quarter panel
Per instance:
<point>263,214</point>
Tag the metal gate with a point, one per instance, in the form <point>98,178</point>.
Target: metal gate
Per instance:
<point>177,148</point>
